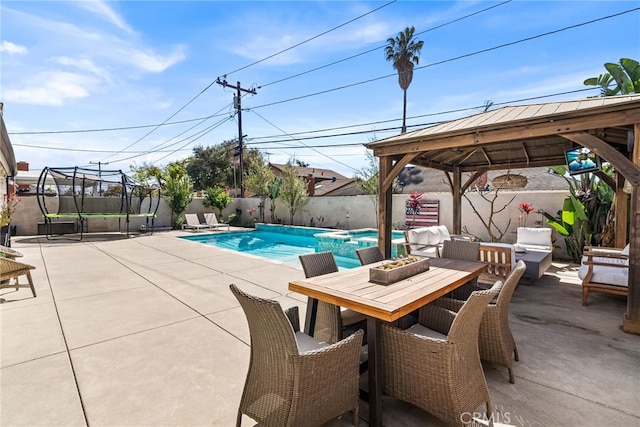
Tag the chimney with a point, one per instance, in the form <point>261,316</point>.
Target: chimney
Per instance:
<point>311,185</point>
<point>23,166</point>
<point>1,108</point>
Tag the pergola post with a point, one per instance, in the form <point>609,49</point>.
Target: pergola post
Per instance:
<point>631,321</point>
<point>456,194</point>
<point>622,211</point>
<point>385,208</point>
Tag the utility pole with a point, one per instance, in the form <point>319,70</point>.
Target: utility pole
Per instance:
<point>99,174</point>
<point>237,103</point>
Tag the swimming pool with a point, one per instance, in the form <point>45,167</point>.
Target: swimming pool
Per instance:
<point>285,243</point>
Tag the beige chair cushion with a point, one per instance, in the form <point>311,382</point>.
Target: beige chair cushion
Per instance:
<point>418,329</point>
<point>307,343</point>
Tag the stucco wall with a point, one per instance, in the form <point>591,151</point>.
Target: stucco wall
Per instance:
<point>347,212</point>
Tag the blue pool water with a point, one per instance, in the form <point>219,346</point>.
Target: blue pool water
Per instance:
<point>286,243</point>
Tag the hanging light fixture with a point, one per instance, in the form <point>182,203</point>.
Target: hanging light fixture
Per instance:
<point>509,180</point>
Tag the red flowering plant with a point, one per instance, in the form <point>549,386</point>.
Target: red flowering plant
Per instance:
<point>525,209</point>
<point>414,204</point>
<point>9,204</point>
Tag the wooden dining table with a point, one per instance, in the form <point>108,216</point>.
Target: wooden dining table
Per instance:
<point>352,289</point>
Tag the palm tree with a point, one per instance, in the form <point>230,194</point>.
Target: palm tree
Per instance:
<point>404,53</point>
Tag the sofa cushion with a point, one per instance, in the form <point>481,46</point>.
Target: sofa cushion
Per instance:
<point>433,235</point>
<point>606,275</point>
<point>428,251</point>
<point>618,276</point>
<point>534,238</point>
<point>443,233</point>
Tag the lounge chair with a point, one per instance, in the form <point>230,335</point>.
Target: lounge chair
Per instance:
<point>193,223</point>
<point>604,270</point>
<point>10,269</point>
<point>212,220</point>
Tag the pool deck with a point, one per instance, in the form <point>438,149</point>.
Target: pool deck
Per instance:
<point>144,331</point>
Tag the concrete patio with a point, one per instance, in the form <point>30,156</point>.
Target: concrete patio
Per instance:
<point>144,331</point>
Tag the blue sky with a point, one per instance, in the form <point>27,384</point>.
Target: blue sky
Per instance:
<point>89,65</point>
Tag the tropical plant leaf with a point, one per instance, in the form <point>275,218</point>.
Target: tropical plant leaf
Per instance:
<point>632,68</point>
<point>568,212</point>
<point>558,227</point>
<point>620,76</point>
<point>579,210</point>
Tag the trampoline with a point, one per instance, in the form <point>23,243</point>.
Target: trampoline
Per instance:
<point>77,194</point>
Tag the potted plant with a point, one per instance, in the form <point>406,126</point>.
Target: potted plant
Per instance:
<point>9,204</point>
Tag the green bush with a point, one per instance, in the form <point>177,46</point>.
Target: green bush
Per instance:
<point>217,197</point>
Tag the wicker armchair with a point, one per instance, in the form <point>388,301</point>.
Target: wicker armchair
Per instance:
<point>496,340</point>
<point>10,253</point>
<point>369,255</point>
<point>332,323</point>
<point>10,269</point>
<point>466,251</point>
<point>294,380</point>
<point>439,369</point>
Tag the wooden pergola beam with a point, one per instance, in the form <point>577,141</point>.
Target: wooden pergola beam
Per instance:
<point>506,132</point>
<point>623,165</point>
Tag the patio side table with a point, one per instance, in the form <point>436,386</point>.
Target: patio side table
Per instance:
<point>537,263</point>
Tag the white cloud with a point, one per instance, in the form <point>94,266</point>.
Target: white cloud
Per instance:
<point>150,61</point>
<point>12,48</point>
<point>101,9</point>
<point>83,64</point>
<point>51,88</point>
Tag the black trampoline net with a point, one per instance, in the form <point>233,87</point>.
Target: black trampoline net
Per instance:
<point>101,192</point>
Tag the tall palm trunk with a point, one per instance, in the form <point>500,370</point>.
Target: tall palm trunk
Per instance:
<point>404,113</point>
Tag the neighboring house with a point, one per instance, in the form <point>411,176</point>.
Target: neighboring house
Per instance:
<point>425,180</point>
<point>8,168</point>
<point>322,182</point>
<point>26,180</point>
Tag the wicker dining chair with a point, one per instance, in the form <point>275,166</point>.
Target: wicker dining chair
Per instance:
<point>332,322</point>
<point>369,255</point>
<point>293,379</point>
<point>463,250</point>
<point>11,269</point>
<point>435,364</point>
<point>496,340</point>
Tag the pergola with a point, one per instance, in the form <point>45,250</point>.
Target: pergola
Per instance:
<point>527,136</point>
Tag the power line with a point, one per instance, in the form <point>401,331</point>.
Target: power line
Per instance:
<point>82,150</point>
<point>311,148</point>
<point>309,39</point>
<point>291,135</point>
<point>338,88</point>
<point>382,46</point>
<point>447,60</point>
<point>439,113</point>
<point>166,122</point>
<point>114,129</point>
